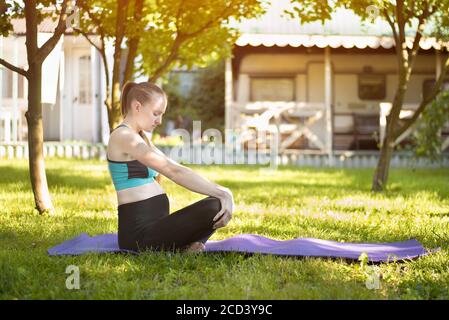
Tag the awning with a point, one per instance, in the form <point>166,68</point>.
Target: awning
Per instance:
<point>333,41</point>
<point>47,25</point>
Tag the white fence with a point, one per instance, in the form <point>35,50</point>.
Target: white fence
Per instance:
<point>63,150</point>
<point>359,159</point>
<point>339,159</point>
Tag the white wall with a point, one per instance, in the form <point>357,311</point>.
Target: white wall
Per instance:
<point>308,70</point>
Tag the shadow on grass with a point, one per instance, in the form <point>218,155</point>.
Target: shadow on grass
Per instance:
<point>403,182</point>
<point>56,178</point>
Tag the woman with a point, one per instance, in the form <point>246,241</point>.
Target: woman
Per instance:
<point>144,221</point>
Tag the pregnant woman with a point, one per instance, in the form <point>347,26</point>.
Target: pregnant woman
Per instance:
<point>144,219</point>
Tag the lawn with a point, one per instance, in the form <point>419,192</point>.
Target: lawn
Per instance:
<point>292,202</point>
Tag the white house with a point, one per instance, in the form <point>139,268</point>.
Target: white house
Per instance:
<point>72,89</point>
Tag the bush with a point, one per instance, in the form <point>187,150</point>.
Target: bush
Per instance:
<point>428,136</point>
<point>203,100</point>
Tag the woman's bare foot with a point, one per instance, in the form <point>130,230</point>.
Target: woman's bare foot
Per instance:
<point>195,247</point>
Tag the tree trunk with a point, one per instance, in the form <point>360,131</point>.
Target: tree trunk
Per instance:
<point>133,44</point>
<point>383,165</point>
<point>114,113</point>
<point>380,177</point>
<point>33,115</point>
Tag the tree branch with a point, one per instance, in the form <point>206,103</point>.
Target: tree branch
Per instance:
<point>182,37</point>
<point>178,14</point>
<point>179,39</point>
<point>391,23</point>
<point>14,68</point>
<point>409,10</point>
<point>421,24</point>
<point>3,7</point>
<point>209,23</point>
<point>401,21</point>
<point>86,36</point>
<point>171,57</point>
<point>122,7</point>
<point>48,46</point>
<point>436,89</point>
<point>92,17</point>
<point>133,43</point>
<point>204,27</point>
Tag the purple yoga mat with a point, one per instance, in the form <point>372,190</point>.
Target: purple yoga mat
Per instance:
<point>252,243</point>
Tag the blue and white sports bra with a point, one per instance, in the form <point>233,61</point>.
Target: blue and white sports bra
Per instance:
<point>130,174</point>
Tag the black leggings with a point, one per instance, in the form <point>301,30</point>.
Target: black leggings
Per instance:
<point>147,224</point>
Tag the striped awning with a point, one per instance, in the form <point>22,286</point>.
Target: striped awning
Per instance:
<point>333,41</point>
<point>46,26</point>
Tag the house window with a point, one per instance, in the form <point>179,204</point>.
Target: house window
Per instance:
<point>272,89</point>
<point>85,81</point>
<point>372,86</point>
<point>428,87</point>
<point>6,83</point>
<point>21,86</point>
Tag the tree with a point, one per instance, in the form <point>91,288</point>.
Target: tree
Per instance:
<point>399,14</point>
<point>159,35</point>
<point>32,11</point>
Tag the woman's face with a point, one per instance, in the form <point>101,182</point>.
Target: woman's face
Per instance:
<point>150,115</point>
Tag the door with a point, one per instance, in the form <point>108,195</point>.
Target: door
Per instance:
<point>83,110</point>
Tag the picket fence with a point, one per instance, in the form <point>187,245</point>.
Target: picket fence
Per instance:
<point>302,158</point>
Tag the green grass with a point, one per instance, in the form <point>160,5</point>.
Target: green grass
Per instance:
<point>292,202</point>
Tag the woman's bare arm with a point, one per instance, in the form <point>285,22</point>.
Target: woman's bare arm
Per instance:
<point>132,144</point>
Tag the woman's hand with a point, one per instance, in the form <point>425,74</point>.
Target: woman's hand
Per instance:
<point>227,208</point>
